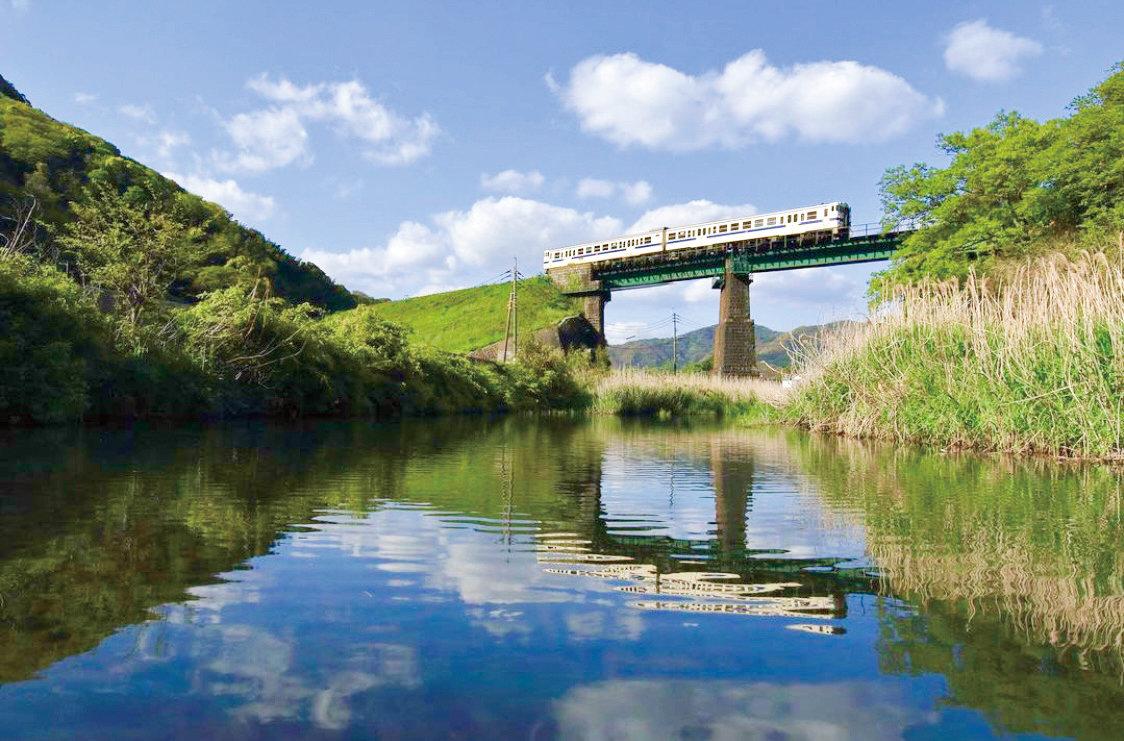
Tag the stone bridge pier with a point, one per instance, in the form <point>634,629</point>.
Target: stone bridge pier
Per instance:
<point>578,281</point>
<point>735,346</point>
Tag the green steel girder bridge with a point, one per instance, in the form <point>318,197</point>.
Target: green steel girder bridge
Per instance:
<point>731,265</point>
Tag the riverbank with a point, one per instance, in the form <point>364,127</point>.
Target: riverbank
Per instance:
<point>1028,363</point>
<point>237,352</point>
<point>1031,362</point>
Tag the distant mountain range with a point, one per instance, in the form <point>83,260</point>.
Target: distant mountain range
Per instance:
<point>698,345</point>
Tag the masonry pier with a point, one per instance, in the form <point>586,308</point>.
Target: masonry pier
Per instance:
<point>735,346</point>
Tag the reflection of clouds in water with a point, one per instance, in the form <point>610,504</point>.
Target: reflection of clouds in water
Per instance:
<point>675,497</point>
<point>657,709</point>
<point>255,668</point>
<point>605,624</point>
<point>672,498</point>
<point>789,514</point>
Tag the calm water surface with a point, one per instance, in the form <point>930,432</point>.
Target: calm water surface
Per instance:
<point>522,579</point>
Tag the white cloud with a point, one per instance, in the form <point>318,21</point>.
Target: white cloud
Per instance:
<point>987,54</point>
<point>84,98</point>
<point>266,139</point>
<point>635,193</point>
<point>165,142</point>
<point>630,101</point>
<point>512,181</point>
<point>692,212</point>
<point>246,206</point>
<point>463,247</point>
<point>143,113</point>
<point>277,136</point>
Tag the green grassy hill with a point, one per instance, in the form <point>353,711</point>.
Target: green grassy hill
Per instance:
<point>54,166</point>
<point>471,318</point>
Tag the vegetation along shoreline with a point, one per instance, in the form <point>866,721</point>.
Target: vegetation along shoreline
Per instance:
<point>998,327</point>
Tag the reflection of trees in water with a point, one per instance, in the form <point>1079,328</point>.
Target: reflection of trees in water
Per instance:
<point>1018,569</point>
<point>100,526</point>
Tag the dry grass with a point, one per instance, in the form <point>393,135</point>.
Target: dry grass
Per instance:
<point>742,389</point>
<point>633,392</point>
<point>1032,363</point>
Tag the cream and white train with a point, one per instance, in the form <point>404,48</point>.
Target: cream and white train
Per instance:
<point>825,220</point>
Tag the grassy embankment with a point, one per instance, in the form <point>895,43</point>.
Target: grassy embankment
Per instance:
<point>1033,363</point>
<point>471,318</point>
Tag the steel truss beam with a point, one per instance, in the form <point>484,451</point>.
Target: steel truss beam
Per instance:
<point>667,268</point>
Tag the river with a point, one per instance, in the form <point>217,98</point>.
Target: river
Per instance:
<point>521,578</point>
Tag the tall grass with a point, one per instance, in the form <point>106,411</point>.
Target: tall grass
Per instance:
<point>635,393</point>
<point>1032,362</point>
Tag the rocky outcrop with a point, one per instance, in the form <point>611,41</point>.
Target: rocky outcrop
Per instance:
<point>570,334</point>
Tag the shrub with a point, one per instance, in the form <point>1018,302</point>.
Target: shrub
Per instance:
<point>53,346</point>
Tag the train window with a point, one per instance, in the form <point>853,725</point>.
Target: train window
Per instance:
<point>722,228</point>
<point>810,215</point>
<point>759,222</point>
<point>772,220</point>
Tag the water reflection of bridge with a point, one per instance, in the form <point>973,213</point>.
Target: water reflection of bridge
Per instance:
<point>715,574</point>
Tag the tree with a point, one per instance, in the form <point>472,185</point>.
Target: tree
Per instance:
<point>126,246</point>
<point>1012,188</point>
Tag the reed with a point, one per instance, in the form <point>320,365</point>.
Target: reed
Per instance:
<point>1030,362</point>
<point>649,393</point>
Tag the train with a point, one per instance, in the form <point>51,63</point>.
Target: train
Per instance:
<point>821,221</point>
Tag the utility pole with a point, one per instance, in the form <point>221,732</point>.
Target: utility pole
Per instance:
<point>674,343</point>
<point>515,305</point>
<point>512,314</point>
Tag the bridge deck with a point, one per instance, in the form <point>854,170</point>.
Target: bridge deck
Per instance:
<point>747,257</point>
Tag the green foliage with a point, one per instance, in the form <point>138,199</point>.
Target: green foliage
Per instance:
<point>127,248</point>
<point>472,318</point>
<point>1038,368</point>
<point>52,341</point>
<point>1013,188</point>
<point>67,170</point>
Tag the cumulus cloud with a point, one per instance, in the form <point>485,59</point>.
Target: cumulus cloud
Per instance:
<point>84,98</point>
<point>278,135</point>
<point>512,181</point>
<point>142,113</point>
<point>987,54</point>
<point>633,193</point>
<point>246,206</point>
<point>463,247</point>
<point>165,142</point>
<point>266,139</point>
<point>632,102</point>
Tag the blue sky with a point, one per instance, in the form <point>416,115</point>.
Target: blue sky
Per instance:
<point>410,147</point>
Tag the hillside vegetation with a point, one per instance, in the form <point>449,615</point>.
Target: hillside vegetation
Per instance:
<point>123,296</point>
<point>471,318</point>
<point>54,171</point>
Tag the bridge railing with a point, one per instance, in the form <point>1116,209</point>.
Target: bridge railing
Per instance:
<point>875,228</point>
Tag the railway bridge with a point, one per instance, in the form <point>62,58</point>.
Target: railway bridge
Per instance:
<point>731,265</point>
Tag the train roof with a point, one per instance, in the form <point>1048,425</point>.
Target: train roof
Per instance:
<point>693,224</point>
